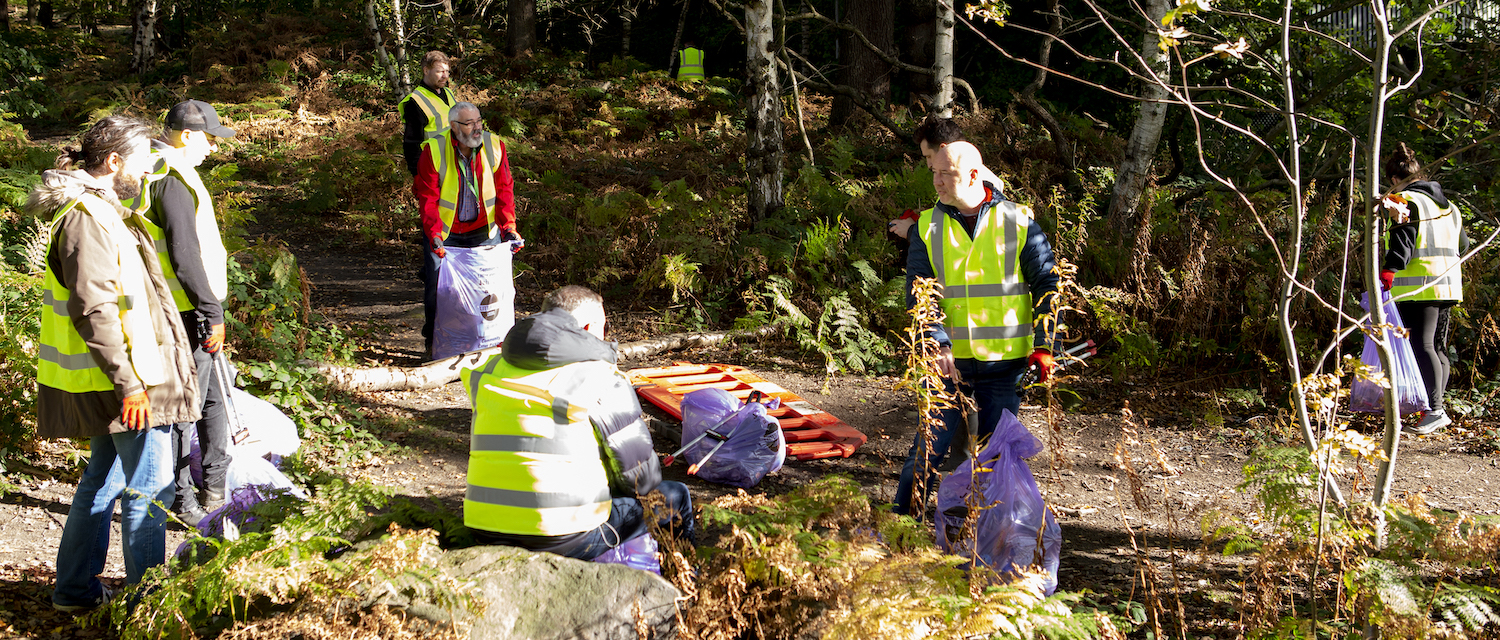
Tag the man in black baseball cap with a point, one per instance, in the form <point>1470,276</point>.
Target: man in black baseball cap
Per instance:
<point>196,115</point>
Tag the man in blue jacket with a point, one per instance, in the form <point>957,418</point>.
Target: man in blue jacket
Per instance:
<point>997,275</point>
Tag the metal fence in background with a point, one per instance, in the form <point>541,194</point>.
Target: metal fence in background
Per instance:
<point>1472,20</point>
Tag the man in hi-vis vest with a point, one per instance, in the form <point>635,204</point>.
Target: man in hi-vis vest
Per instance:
<point>114,363</point>
<point>197,266</point>
<point>464,191</point>
<point>995,269</point>
<point>424,111</point>
<point>558,454</point>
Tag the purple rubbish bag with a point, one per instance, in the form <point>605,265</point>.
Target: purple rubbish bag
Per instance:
<point>1014,517</point>
<point>753,444</point>
<point>1411,392</point>
<point>637,553</point>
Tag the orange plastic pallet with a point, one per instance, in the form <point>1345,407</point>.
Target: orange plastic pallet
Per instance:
<point>811,433</point>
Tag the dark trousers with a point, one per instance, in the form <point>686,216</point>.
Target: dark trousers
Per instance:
<point>1428,324</point>
<point>992,385</point>
<point>213,428</point>
<point>431,264</point>
<point>627,520</point>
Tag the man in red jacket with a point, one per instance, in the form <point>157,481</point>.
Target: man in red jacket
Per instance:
<point>464,189</point>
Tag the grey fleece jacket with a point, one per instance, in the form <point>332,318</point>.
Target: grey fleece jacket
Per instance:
<point>85,260</point>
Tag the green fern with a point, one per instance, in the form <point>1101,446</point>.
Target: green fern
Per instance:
<point>1469,606</point>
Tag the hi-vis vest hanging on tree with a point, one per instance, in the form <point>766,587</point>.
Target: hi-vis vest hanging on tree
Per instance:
<point>431,104</point>
<point>690,66</point>
<point>535,466</point>
<point>1435,255</point>
<point>447,159</point>
<point>987,303</point>
<point>64,360</point>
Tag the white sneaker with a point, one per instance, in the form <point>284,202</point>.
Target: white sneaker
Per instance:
<point>1432,421</point>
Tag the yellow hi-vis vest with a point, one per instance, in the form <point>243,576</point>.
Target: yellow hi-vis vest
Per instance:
<point>536,466</point>
<point>64,360</point>
<point>446,160</point>
<point>690,66</point>
<point>988,305</point>
<point>210,243</point>
<point>435,107</point>
<point>1435,255</point>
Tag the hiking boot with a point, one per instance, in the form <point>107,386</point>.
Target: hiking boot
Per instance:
<point>1431,421</point>
<point>212,500</point>
<point>102,600</point>
<point>193,516</point>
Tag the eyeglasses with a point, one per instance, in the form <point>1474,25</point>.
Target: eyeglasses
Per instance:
<point>470,123</point>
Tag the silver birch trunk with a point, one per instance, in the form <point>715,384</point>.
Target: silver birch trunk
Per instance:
<point>143,38</point>
<point>1135,168</point>
<point>1381,74</point>
<point>372,22</point>
<point>398,19</point>
<point>942,61</point>
<point>677,39</point>
<point>763,157</point>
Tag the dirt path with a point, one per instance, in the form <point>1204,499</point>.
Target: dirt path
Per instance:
<point>373,293</point>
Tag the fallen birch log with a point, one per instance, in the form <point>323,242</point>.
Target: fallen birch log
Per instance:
<point>437,373</point>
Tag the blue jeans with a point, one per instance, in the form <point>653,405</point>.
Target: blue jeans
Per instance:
<point>431,264</point>
<point>992,385</point>
<point>135,468</point>
<point>627,519</point>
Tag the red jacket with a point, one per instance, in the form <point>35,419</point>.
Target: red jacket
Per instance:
<point>427,188</point>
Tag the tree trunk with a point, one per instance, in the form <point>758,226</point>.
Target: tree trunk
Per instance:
<point>31,12</point>
<point>1135,168</point>
<point>5,15</point>
<point>398,18</point>
<point>763,157</point>
<point>372,22</point>
<point>942,61</point>
<point>435,374</point>
<point>143,36</point>
<point>864,70</point>
<point>520,28</point>
<point>677,39</point>
<point>1028,99</point>
<point>457,29</point>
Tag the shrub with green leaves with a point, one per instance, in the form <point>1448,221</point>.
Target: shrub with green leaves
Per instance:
<point>20,332</point>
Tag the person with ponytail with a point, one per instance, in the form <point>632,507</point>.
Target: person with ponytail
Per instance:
<point>1422,266</point>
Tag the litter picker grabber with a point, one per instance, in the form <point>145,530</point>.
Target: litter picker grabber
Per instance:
<point>221,372</point>
<point>1074,354</point>
<point>714,434</point>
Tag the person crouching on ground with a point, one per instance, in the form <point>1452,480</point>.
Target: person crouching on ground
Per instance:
<point>115,363</point>
<point>559,456</point>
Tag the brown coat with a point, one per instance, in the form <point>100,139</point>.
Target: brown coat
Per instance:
<point>84,259</point>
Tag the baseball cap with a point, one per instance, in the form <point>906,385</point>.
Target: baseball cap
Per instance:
<point>196,115</point>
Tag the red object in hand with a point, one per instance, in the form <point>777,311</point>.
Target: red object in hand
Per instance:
<point>215,339</point>
<point>1387,278</point>
<point>1044,362</point>
<point>135,411</point>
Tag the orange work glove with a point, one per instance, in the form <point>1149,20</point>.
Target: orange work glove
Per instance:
<point>215,340</point>
<point>511,235</point>
<point>1044,363</point>
<point>135,412</point>
<point>437,247</point>
<point>1387,278</point>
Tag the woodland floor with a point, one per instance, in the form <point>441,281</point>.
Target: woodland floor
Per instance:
<point>372,291</point>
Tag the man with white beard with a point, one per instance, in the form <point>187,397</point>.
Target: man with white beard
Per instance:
<point>464,190</point>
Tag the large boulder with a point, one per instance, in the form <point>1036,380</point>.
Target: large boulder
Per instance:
<point>541,596</point>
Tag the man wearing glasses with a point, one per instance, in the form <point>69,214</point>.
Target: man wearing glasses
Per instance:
<point>464,190</point>
<point>176,200</point>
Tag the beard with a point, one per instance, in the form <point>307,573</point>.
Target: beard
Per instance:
<point>466,140</point>
<point>127,187</point>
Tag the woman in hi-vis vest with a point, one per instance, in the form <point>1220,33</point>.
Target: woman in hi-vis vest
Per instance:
<point>1422,264</point>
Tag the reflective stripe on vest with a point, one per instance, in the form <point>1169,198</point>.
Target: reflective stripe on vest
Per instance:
<point>436,108</point>
<point>535,466</point>
<point>449,180</point>
<point>691,65</point>
<point>988,306</point>
<point>64,360</point>
<point>1435,254</point>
